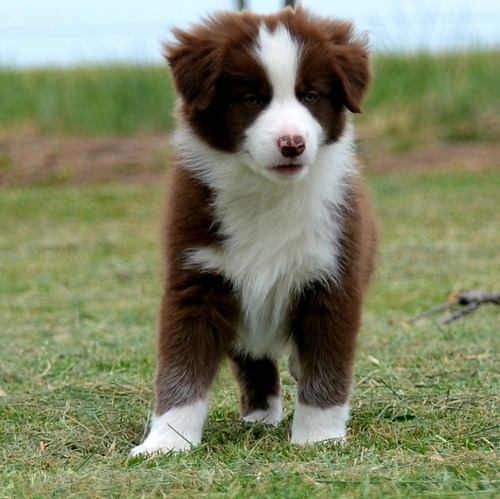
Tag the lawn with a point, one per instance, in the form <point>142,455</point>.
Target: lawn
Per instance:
<point>80,283</point>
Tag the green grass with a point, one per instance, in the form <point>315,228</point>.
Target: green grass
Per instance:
<point>414,100</point>
<point>80,284</point>
<point>418,99</point>
<point>99,100</point>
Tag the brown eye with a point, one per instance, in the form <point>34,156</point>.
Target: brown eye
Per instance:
<point>251,100</point>
<point>310,98</point>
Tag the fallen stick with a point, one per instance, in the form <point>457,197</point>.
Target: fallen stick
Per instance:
<point>468,300</point>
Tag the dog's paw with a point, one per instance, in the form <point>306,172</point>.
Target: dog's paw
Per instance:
<point>162,444</point>
<point>273,415</point>
<point>314,424</point>
<point>152,446</point>
<point>178,429</point>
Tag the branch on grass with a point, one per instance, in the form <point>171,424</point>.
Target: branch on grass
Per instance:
<point>467,300</point>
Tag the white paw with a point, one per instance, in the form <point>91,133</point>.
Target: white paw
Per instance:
<point>273,415</point>
<point>162,444</point>
<point>178,429</point>
<point>313,424</point>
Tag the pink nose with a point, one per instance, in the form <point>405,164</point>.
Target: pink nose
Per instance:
<point>291,145</point>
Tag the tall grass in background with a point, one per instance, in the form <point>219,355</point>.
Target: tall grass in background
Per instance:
<point>97,100</point>
<point>414,99</point>
<point>424,97</point>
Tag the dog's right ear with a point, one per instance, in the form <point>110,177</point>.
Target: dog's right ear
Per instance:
<point>195,62</point>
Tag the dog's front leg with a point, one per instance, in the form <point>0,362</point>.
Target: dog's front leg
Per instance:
<point>195,331</point>
<point>324,328</point>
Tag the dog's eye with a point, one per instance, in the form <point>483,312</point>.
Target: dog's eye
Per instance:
<point>310,97</point>
<point>251,100</point>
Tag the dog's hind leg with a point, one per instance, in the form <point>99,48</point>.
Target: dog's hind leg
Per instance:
<point>259,383</point>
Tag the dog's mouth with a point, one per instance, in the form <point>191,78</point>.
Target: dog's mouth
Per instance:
<point>288,169</point>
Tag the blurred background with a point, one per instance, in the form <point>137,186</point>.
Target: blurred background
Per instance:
<point>50,32</point>
<point>92,69</point>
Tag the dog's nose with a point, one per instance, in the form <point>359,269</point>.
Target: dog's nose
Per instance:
<point>291,145</point>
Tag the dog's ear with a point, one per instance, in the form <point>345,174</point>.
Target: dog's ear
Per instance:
<point>355,75</point>
<point>351,58</point>
<point>195,63</point>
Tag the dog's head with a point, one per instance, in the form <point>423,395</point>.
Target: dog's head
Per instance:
<point>271,89</point>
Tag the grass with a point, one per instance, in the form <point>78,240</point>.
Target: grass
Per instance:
<point>418,99</point>
<point>414,99</point>
<point>80,283</point>
<point>98,100</point>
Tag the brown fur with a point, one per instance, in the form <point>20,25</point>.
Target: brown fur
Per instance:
<point>208,60</point>
<point>334,313</point>
<point>200,310</point>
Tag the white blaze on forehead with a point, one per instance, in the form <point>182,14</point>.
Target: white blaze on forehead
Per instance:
<point>279,53</point>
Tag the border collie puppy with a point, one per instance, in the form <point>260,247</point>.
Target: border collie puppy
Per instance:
<point>270,238</point>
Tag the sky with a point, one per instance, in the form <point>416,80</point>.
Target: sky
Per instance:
<point>37,33</point>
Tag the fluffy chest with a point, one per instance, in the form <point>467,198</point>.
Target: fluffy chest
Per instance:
<point>278,236</point>
<point>276,241</point>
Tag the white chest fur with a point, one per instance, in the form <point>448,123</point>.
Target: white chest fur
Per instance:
<point>278,236</point>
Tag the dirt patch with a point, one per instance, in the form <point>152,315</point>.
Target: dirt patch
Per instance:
<point>437,157</point>
<point>27,158</point>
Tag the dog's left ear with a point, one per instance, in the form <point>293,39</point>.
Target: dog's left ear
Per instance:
<point>351,58</point>
<point>194,62</point>
<point>355,75</point>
